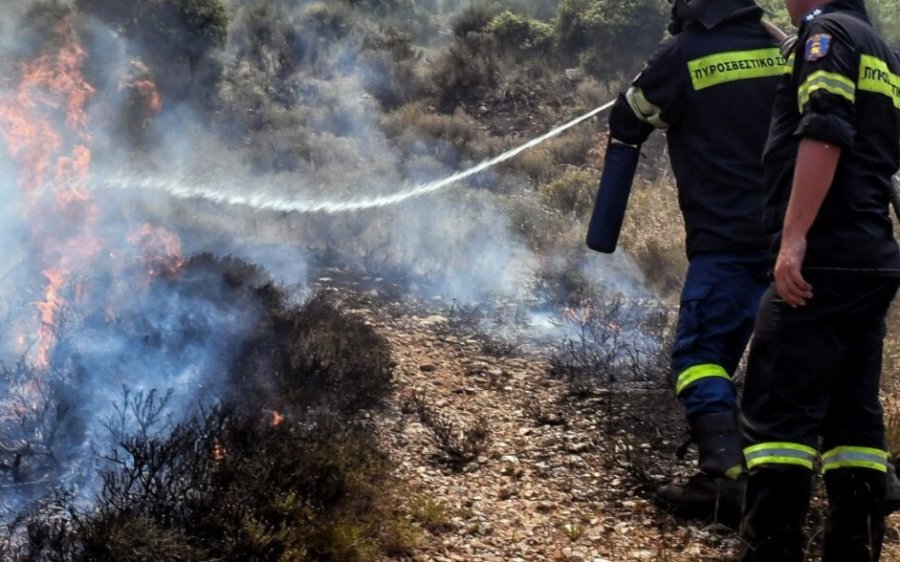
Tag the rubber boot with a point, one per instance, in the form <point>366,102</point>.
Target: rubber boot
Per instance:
<point>717,491</point>
<point>893,491</point>
<point>854,529</point>
<point>774,512</point>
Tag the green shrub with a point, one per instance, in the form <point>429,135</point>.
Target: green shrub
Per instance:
<point>572,193</point>
<point>520,34</point>
<point>594,32</point>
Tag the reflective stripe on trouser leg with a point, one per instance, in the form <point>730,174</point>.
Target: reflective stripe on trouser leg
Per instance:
<point>855,457</point>
<point>775,453</point>
<point>698,372</point>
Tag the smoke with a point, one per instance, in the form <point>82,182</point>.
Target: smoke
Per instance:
<point>95,278</point>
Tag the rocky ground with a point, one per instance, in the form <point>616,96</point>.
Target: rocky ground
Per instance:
<point>559,477</point>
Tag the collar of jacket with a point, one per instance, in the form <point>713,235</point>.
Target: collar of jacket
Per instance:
<point>855,7</point>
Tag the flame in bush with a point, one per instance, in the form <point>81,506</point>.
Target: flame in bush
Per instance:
<point>44,124</point>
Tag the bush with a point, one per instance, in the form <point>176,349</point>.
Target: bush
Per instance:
<point>537,164</point>
<point>572,193</point>
<point>449,139</point>
<point>594,31</point>
<point>285,467</point>
<point>573,147</point>
<point>177,38</point>
<point>613,341</point>
<point>390,68</point>
<point>474,18</point>
<point>467,70</point>
<point>521,35</point>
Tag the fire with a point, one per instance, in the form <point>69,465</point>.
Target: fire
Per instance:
<point>49,311</point>
<point>277,418</point>
<point>49,85</point>
<point>161,250</point>
<point>218,451</point>
<point>46,131</point>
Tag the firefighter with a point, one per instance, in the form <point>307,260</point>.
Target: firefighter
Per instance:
<point>711,87</point>
<point>815,361</point>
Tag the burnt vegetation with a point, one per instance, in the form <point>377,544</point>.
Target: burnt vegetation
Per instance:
<point>614,341</point>
<point>282,464</point>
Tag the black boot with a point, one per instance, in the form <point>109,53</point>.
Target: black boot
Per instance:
<point>855,526</point>
<point>774,512</point>
<point>717,491</point>
<point>893,491</point>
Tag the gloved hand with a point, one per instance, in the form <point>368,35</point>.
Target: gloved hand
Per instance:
<point>787,46</point>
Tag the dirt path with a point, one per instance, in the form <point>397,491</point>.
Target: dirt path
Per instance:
<point>555,481</point>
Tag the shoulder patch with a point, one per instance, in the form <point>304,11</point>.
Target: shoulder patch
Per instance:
<point>817,46</point>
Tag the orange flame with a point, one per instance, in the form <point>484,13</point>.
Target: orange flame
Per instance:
<point>277,418</point>
<point>45,127</point>
<point>218,451</point>
<point>161,250</point>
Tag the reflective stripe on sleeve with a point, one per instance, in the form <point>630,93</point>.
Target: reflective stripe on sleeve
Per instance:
<point>722,68</point>
<point>697,372</point>
<point>831,82</point>
<point>780,453</point>
<point>644,110</point>
<point>855,457</point>
<point>875,76</point>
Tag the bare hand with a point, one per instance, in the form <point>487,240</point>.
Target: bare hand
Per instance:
<point>789,281</point>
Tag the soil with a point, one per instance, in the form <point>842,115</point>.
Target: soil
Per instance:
<point>562,477</point>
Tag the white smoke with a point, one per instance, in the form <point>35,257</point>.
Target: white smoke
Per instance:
<point>444,238</point>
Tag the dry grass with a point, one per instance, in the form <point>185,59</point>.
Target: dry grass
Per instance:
<point>653,234</point>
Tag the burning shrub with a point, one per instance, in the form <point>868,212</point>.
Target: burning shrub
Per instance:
<point>283,467</point>
<point>614,341</point>
<point>225,486</point>
<point>177,37</point>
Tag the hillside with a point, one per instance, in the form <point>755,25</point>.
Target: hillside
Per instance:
<point>239,323</point>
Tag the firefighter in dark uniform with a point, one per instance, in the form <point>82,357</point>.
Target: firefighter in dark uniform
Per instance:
<point>711,87</point>
<point>815,362</point>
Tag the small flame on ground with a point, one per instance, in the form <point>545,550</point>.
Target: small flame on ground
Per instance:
<point>218,451</point>
<point>277,418</point>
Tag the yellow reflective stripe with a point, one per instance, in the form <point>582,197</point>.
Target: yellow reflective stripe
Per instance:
<point>645,110</point>
<point>875,76</point>
<point>721,68</point>
<point>734,472</point>
<point>780,453</point>
<point>831,82</point>
<point>693,374</point>
<point>855,457</point>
